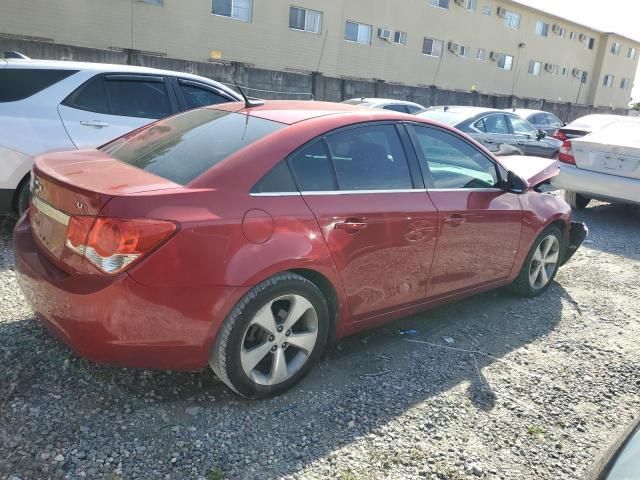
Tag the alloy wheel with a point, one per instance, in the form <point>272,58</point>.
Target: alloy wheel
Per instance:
<point>544,262</point>
<point>279,339</point>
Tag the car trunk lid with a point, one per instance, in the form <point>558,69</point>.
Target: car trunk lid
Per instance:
<point>80,184</point>
<point>614,150</point>
<point>533,170</point>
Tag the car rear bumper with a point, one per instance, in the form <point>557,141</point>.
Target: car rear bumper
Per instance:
<point>577,233</point>
<point>597,185</point>
<point>118,320</point>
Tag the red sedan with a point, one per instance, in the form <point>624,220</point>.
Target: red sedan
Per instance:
<point>247,238</point>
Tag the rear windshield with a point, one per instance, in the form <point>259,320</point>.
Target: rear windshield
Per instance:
<point>448,118</point>
<point>183,147</point>
<point>20,83</point>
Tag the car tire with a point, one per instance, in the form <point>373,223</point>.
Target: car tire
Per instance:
<point>258,336</point>
<point>538,271</point>
<point>575,200</point>
<point>23,195</point>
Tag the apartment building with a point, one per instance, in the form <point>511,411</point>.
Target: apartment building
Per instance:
<point>491,46</point>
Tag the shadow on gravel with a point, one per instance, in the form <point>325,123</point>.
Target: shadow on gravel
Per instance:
<point>51,400</point>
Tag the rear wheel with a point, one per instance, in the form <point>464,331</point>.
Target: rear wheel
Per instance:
<point>272,337</point>
<point>541,265</point>
<point>23,195</point>
<point>575,200</point>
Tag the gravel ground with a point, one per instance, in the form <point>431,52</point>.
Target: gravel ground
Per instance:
<point>493,387</point>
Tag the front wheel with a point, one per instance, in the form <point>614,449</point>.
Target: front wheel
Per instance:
<point>575,200</point>
<point>23,195</point>
<point>272,337</point>
<point>541,265</point>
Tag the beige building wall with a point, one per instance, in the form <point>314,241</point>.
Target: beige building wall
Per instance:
<point>187,29</point>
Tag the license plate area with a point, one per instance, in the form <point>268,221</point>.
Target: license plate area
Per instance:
<point>49,226</point>
<point>612,163</point>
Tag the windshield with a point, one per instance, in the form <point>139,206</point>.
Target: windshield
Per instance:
<point>183,147</point>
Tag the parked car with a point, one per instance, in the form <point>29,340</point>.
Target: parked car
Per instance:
<point>545,121</point>
<point>502,133</point>
<point>56,105</point>
<point>604,165</point>
<point>622,460</point>
<point>248,238</point>
<point>387,104</point>
<point>587,124</point>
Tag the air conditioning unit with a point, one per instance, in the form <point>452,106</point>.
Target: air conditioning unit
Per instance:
<point>384,33</point>
<point>502,12</point>
<point>577,73</point>
<point>582,37</point>
<point>557,29</point>
<point>494,56</point>
<point>548,67</point>
<point>453,47</point>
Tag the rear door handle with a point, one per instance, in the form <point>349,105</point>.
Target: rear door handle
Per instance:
<point>94,123</point>
<point>489,141</point>
<point>521,143</point>
<point>455,220</point>
<point>351,225</point>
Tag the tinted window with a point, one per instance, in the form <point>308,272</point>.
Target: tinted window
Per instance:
<point>195,96</point>
<point>312,169</point>
<point>480,126</point>
<point>453,163</point>
<point>413,109</point>
<point>554,121</point>
<point>539,119</point>
<point>185,146</point>
<point>144,99</point>
<point>396,108</point>
<point>369,158</point>
<point>278,180</point>
<point>18,84</point>
<point>522,127</point>
<point>90,96</point>
<point>496,124</point>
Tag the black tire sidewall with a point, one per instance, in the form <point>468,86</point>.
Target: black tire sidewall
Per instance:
<point>22,198</point>
<point>285,286</point>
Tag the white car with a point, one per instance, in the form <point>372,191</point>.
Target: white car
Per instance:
<point>387,104</point>
<point>604,165</point>
<point>56,105</point>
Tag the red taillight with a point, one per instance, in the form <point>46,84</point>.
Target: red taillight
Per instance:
<point>565,154</point>
<point>559,135</point>
<point>111,244</point>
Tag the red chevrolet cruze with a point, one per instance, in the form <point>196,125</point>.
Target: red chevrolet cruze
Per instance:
<point>249,237</point>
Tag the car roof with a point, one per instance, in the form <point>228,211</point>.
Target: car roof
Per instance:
<point>455,115</point>
<point>106,67</point>
<point>526,112</point>
<point>295,111</point>
<point>380,101</point>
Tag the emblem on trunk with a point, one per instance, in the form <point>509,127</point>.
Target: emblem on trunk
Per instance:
<point>36,188</point>
<point>80,205</point>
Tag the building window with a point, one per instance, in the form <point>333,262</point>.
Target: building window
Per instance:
<point>471,5</point>
<point>154,2</point>
<point>306,20</point>
<point>358,33</point>
<point>432,47</point>
<point>486,10</point>
<point>608,81</point>
<point>631,53</point>
<point>572,35</point>
<point>591,42</point>
<point>505,62</point>
<point>512,20</point>
<point>565,71</point>
<point>237,9</point>
<point>440,3</point>
<point>535,67</point>
<point>480,54</point>
<point>615,48</point>
<point>555,69</point>
<point>563,32</point>
<point>624,84</point>
<point>464,50</point>
<point>400,38</point>
<point>542,29</point>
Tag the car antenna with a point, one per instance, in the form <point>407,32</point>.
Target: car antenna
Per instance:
<point>248,103</point>
<point>446,108</point>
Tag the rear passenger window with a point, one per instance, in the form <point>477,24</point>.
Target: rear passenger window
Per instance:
<point>278,180</point>
<point>195,96</point>
<point>312,169</point>
<point>370,158</point>
<point>496,124</point>
<point>396,108</point>
<point>18,84</point>
<point>143,99</point>
<point>91,97</point>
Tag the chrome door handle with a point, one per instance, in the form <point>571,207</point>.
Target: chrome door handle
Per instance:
<point>351,226</point>
<point>455,220</point>
<point>94,123</point>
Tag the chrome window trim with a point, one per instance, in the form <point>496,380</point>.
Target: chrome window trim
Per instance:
<point>274,194</point>
<point>49,211</point>
<point>492,189</point>
<point>369,192</point>
<point>364,192</point>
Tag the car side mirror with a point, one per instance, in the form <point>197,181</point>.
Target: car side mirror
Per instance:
<point>515,184</point>
<point>541,134</point>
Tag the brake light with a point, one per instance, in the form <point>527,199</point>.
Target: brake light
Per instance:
<point>565,154</point>
<point>559,135</point>
<point>112,244</point>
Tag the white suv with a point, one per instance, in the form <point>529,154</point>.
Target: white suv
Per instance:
<point>56,105</point>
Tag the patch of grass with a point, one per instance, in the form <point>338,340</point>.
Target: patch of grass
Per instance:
<point>536,430</point>
<point>215,474</point>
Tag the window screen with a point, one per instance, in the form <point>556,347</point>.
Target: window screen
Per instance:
<point>183,147</point>
<point>18,84</point>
